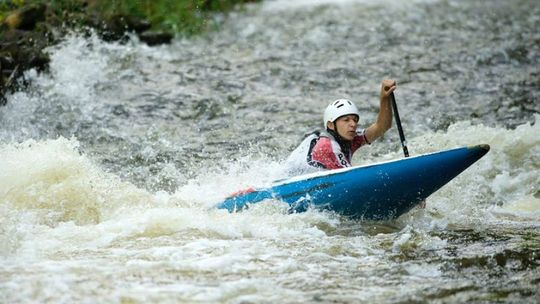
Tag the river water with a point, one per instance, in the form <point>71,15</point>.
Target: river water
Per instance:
<point>111,162</point>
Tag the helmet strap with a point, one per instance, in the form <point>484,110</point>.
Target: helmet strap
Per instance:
<point>343,143</point>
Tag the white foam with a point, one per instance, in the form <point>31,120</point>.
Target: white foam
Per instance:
<point>49,189</point>
<point>509,173</point>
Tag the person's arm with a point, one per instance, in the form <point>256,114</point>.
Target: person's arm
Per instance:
<point>384,119</point>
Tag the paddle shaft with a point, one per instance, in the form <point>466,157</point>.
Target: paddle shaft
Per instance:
<point>398,123</point>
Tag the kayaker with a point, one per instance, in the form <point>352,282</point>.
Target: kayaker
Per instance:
<point>334,147</point>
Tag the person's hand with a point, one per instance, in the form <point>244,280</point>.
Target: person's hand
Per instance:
<point>387,87</point>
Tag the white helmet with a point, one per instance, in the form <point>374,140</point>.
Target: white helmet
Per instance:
<point>339,108</point>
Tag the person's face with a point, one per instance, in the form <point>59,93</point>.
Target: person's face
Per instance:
<point>345,126</point>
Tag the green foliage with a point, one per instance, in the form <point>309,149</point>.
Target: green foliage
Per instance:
<point>7,6</point>
<point>13,4</point>
<point>68,6</point>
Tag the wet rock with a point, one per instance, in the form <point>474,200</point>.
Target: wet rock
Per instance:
<point>23,48</point>
<point>13,38</point>
<point>39,61</point>
<point>22,39</point>
<point>115,27</point>
<point>155,38</point>
<point>136,24</point>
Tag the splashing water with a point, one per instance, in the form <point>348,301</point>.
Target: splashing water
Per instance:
<point>110,164</point>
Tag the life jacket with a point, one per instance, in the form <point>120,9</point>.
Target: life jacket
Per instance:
<point>323,150</point>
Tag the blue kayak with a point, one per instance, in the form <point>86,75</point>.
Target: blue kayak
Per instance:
<point>380,191</point>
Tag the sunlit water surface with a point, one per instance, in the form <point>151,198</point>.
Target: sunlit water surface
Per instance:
<point>110,164</point>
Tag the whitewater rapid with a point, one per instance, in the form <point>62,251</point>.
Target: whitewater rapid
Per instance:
<point>111,163</point>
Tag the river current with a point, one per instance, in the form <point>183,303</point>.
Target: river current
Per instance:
<point>111,162</point>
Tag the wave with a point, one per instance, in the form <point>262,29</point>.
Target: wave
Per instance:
<point>50,187</point>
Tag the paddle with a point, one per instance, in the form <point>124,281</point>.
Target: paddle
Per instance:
<point>398,123</point>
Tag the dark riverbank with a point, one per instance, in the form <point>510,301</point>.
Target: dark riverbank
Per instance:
<point>27,28</point>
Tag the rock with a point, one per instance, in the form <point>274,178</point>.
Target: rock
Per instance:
<point>136,24</point>
<point>116,26</point>
<point>20,50</point>
<point>13,36</point>
<point>38,61</point>
<point>6,61</point>
<point>26,17</point>
<point>155,38</point>
<point>24,47</point>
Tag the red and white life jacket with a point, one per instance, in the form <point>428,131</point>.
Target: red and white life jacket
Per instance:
<point>321,150</point>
